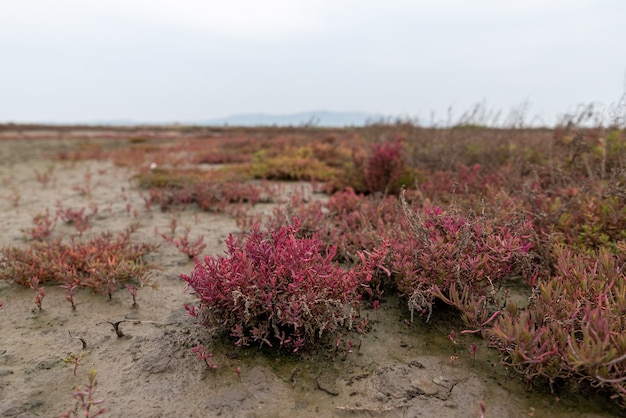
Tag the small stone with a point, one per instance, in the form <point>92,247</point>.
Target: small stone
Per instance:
<point>425,387</point>
<point>327,385</point>
<point>5,372</point>
<point>443,382</point>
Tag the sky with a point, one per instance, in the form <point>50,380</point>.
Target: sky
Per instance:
<point>156,61</point>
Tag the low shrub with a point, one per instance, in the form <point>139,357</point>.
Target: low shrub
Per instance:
<point>103,263</point>
<point>385,167</point>
<point>440,252</point>
<point>298,164</point>
<point>169,178</point>
<point>278,289</point>
<point>211,197</point>
<point>382,169</point>
<point>574,329</point>
<point>350,221</point>
<point>212,190</point>
<point>586,218</point>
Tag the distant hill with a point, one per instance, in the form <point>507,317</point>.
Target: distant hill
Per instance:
<point>319,118</point>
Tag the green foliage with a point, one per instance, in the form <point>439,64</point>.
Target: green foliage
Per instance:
<point>299,164</point>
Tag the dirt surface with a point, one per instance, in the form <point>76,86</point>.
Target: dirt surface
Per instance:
<point>401,369</point>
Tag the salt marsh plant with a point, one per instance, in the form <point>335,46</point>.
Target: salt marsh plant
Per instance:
<point>276,289</point>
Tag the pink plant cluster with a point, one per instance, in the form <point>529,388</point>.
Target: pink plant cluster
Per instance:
<point>349,221</point>
<point>87,405</point>
<point>575,327</point>
<point>566,243</point>
<point>431,249</point>
<point>191,248</point>
<point>444,250</point>
<point>76,217</point>
<point>278,289</point>
<point>204,355</point>
<point>483,208</point>
<point>385,166</point>
<point>45,223</point>
<point>381,169</point>
<point>103,263</point>
<point>208,195</point>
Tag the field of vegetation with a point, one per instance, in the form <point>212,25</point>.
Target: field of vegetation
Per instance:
<point>511,243</point>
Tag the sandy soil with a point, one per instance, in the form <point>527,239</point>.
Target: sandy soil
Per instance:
<point>402,369</point>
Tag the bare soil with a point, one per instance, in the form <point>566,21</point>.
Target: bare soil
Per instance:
<point>401,369</point>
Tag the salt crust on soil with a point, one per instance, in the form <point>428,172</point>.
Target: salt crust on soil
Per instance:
<point>151,371</point>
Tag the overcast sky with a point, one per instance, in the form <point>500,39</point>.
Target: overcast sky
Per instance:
<point>182,60</point>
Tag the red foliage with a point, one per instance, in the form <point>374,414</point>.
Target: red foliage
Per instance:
<point>349,221</point>
<point>44,224</point>
<point>209,196</point>
<point>385,166</point>
<point>443,250</point>
<point>75,217</point>
<point>102,263</point>
<point>276,288</point>
<point>575,327</point>
<point>184,244</point>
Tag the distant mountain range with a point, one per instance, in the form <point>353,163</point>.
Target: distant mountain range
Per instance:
<point>319,118</point>
<point>316,118</point>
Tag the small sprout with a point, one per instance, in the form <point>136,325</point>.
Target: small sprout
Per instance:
<point>86,401</point>
<point>473,350</point>
<point>376,305</point>
<point>173,225</point>
<point>452,337</point>
<point>76,217</point>
<point>43,177</point>
<point>74,359</point>
<point>184,245</point>
<point>132,289</point>
<point>338,342</point>
<point>70,291</point>
<point>362,326</point>
<point>202,353</point>
<point>348,349</point>
<point>238,371</point>
<point>41,292</point>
